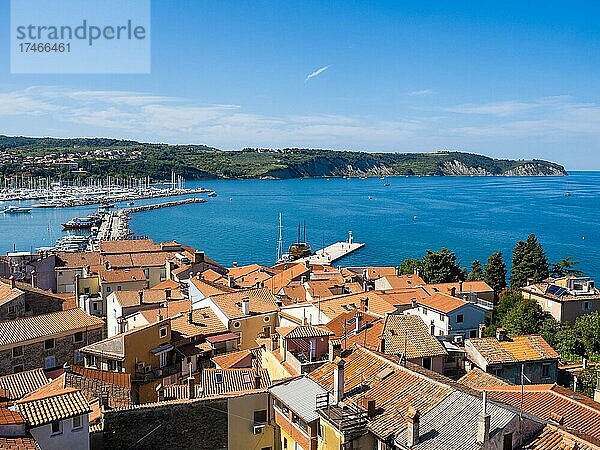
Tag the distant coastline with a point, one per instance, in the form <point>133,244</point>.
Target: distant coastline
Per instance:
<point>100,157</point>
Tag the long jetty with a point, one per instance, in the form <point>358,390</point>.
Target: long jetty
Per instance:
<point>333,252</point>
<point>115,224</point>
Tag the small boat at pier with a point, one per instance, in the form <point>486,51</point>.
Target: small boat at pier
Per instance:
<point>16,210</point>
<point>82,223</point>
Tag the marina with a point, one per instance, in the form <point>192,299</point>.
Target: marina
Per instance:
<point>333,252</point>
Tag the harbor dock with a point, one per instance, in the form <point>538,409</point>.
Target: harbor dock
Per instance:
<point>333,252</point>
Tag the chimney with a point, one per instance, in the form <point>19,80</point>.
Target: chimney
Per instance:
<point>198,257</point>
<point>12,282</point>
<point>257,381</point>
<point>160,392</point>
<point>364,304</point>
<point>141,297</point>
<point>246,306</point>
<point>483,422</point>
<point>481,330</point>
<point>338,380</point>
<point>453,291</point>
<point>365,275</point>
<point>104,399</point>
<point>412,430</point>
<point>365,286</point>
<point>191,385</point>
<point>190,315</point>
<point>371,408</point>
<point>382,346</point>
<point>597,389</point>
<point>229,281</point>
<point>335,350</point>
<point>33,279</point>
<point>159,316</point>
<point>168,294</point>
<point>556,419</point>
<point>397,271</point>
<point>413,302</point>
<point>235,264</point>
<point>500,334</point>
<point>358,321</point>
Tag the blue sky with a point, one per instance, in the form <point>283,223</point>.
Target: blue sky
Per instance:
<point>509,79</point>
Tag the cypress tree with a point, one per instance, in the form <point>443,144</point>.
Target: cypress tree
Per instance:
<point>476,272</point>
<point>529,263</point>
<point>494,272</point>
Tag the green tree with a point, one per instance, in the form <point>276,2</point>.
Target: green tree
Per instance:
<point>410,265</point>
<point>442,267</point>
<point>494,272</point>
<point>565,267</point>
<point>588,329</point>
<point>587,381</point>
<point>476,272</point>
<point>568,343</point>
<point>529,263</point>
<point>525,317</point>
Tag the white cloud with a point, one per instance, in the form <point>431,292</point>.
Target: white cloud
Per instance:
<point>500,109</point>
<point>316,73</point>
<point>421,93</point>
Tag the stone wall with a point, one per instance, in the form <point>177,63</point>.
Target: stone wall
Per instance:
<point>34,354</point>
<point>200,424</point>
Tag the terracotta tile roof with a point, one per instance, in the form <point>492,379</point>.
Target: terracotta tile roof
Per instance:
<point>404,297</point>
<point>233,381</point>
<point>404,281</point>
<point>158,259</point>
<point>546,290</point>
<point>325,288</point>
<point>513,349</point>
<point>344,324</point>
<point>77,260</point>
<point>119,261</point>
<point>248,271</point>
<point>580,414</point>
<point>8,417</point>
<point>209,288</point>
<point>18,443</point>
<point>171,309</point>
<point>167,284</point>
<point>285,277</point>
<point>117,378</point>
<point>303,331</point>
<point>45,408</point>
<point>442,303</point>
<point>233,360</point>
<point>204,323</point>
<point>394,388</point>
<point>213,276</point>
<point>131,298</point>
<point>373,272</point>
<point>122,275</point>
<point>477,378</point>
<point>46,325</point>
<point>128,246</point>
<point>8,293</point>
<point>555,438</point>
<point>261,301</point>
<point>19,384</point>
<point>368,337</point>
<point>408,335</point>
<point>467,286</point>
<point>334,306</point>
<point>295,291</point>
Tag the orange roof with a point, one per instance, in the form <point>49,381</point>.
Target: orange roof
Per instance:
<point>77,260</point>
<point>409,335</point>
<point>210,288</point>
<point>334,306</point>
<point>18,443</point>
<point>236,272</point>
<point>556,438</point>
<point>463,286</point>
<point>234,360</point>
<point>295,291</point>
<point>122,275</point>
<point>442,302</point>
<point>404,281</point>
<point>167,284</point>
<point>579,413</point>
<point>212,275</point>
<point>204,323</point>
<point>8,293</point>
<point>172,308</point>
<point>477,378</point>
<point>132,298</point>
<point>128,246</point>
<point>8,417</point>
<point>403,297</point>
<point>261,302</point>
<point>513,349</point>
<point>345,323</point>
<point>285,277</point>
<point>303,331</point>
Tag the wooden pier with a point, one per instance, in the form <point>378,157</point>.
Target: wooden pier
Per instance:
<point>333,252</point>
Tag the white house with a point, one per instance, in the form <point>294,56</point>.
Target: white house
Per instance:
<point>449,316</point>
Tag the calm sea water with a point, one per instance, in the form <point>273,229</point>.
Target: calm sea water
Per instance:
<point>474,216</point>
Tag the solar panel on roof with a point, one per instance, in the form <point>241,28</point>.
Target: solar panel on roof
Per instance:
<point>556,290</point>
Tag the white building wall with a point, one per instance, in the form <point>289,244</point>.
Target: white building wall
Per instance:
<point>68,438</point>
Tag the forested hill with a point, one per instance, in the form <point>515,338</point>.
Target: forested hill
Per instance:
<point>101,157</point>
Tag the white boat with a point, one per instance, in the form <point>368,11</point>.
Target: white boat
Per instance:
<point>16,210</point>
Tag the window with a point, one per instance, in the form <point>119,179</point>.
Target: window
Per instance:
<point>49,362</point>
<point>442,317</point>
<point>17,351</point>
<point>119,288</point>
<point>91,361</point>
<point>56,427</point>
<point>108,289</point>
<point>77,422</point>
<point>18,368</point>
<point>267,319</point>
<point>48,344</point>
<point>163,359</point>
<point>320,432</point>
<point>77,356</point>
<point>112,365</point>
<point>473,333</point>
<point>11,309</point>
<point>587,306</point>
<point>459,318</point>
<point>284,442</point>
<point>260,416</point>
<point>424,311</point>
<point>60,274</point>
<point>86,290</point>
<point>236,324</point>
<point>219,378</point>
<point>497,371</point>
<point>79,336</point>
<point>266,332</point>
<point>427,362</point>
<point>163,332</point>
<point>441,332</point>
<point>507,441</point>
<point>545,370</point>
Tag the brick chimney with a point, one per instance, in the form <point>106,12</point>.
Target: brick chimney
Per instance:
<point>338,380</point>
<point>556,419</point>
<point>483,422</point>
<point>412,430</point>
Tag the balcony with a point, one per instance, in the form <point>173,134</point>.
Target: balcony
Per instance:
<point>301,362</point>
<point>349,420</point>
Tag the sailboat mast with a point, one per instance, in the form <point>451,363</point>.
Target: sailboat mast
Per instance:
<point>280,241</point>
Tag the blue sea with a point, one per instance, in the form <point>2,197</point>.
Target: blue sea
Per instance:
<point>473,216</point>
